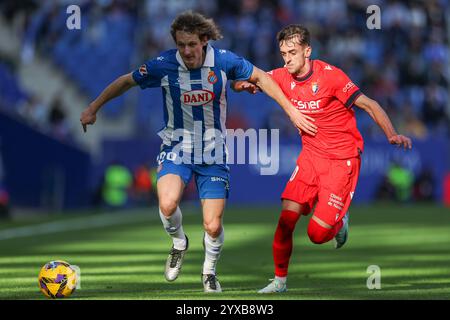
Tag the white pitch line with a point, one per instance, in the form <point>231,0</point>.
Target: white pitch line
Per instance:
<point>77,224</point>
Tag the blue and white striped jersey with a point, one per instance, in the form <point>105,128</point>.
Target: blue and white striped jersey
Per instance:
<point>194,101</point>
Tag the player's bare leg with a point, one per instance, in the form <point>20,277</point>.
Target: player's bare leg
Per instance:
<point>282,244</point>
<point>170,190</point>
<point>213,210</point>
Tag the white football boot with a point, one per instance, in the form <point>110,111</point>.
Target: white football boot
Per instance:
<point>275,286</point>
<point>211,283</point>
<point>341,237</point>
<point>174,262</point>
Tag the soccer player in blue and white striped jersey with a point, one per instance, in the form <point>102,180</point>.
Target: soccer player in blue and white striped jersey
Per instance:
<point>193,79</point>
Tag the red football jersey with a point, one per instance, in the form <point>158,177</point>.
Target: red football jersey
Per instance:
<point>326,94</point>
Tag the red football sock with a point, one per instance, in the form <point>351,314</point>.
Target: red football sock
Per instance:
<point>319,234</point>
<point>282,242</point>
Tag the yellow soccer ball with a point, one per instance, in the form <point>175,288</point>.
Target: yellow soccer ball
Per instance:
<point>58,279</point>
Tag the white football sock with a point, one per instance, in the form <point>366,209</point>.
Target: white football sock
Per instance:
<point>174,228</point>
<point>213,247</point>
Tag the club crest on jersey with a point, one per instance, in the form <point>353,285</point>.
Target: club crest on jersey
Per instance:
<point>197,97</point>
<point>314,87</point>
<point>212,78</point>
<point>143,70</point>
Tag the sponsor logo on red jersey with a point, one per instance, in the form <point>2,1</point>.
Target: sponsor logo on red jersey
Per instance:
<point>348,86</point>
<point>197,97</point>
<point>306,105</point>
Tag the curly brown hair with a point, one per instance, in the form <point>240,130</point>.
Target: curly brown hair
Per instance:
<point>195,23</point>
<point>294,31</point>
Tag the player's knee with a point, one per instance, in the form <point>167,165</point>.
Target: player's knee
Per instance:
<point>287,221</point>
<point>303,209</point>
<point>213,228</point>
<point>318,234</point>
<point>317,237</point>
<point>168,206</point>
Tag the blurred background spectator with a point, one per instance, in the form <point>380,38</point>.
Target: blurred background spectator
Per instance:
<point>397,185</point>
<point>59,126</point>
<point>424,185</point>
<point>144,185</point>
<point>117,185</point>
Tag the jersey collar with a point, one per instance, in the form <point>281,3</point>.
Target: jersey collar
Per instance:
<point>209,59</point>
<point>308,75</point>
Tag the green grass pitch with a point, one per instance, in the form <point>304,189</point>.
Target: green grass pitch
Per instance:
<point>122,255</point>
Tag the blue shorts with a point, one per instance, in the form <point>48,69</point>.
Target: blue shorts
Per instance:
<point>212,180</point>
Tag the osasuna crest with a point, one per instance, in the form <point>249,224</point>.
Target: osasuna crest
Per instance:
<point>315,87</point>
<point>143,70</point>
<point>212,78</point>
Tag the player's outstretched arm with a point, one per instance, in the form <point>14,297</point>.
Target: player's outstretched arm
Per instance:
<point>303,122</point>
<point>381,118</point>
<point>115,89</point>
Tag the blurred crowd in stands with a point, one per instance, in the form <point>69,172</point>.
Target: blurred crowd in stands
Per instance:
<point>404,65</point>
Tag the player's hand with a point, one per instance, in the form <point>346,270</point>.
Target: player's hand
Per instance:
<point>245,86</point>
<point>400,140</point>
<point>250,87</point>
<point>88,116</point>
<point>303,123</point>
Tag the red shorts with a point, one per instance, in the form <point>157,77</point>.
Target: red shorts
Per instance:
<point>328,182</point>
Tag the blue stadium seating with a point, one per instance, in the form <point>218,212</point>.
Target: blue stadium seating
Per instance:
<point>102,60</point>
<point>11,93</point>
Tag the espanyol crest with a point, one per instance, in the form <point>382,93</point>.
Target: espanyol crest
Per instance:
<point>212,78</point>
<point>315,87</point>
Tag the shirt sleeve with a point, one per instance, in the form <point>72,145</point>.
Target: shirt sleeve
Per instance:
<point>275,74</point>
<point>344,89</point>
<point>237,68</point>
<point>149,74</point>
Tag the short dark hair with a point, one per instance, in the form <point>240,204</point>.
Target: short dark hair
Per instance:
<point>195,23</point>
<point>292,31</point>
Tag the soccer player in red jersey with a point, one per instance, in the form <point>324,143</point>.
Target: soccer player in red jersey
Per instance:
<point>328,166</point>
